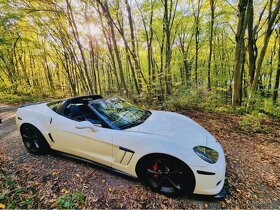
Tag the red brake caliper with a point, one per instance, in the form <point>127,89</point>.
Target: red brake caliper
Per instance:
<point>155,167</point>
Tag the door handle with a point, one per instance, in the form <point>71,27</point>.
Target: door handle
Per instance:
<point>93,128</point>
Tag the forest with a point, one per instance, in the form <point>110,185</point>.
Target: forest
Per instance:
<point>214,61</point>
<point>193,53</point>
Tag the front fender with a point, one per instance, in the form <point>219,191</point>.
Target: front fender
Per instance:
<point>146,144</point>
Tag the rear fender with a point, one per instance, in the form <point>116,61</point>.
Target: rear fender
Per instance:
<point>39,120</point>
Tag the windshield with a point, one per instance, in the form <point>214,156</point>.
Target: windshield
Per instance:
<point>120,113</point>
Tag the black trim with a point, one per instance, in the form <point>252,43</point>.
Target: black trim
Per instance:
<point>125,149</point>
<point>51,137</point>
<point>205,173</point>
<point>102,118</point>
<point>19,118</point>
<point>123,157</point>
<point>78,99</point>
<point>51,121</point>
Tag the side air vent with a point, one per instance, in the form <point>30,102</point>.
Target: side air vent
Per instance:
<point>123,156</point>
<point>51,138</point>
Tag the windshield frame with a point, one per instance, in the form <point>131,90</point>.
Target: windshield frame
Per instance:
<point>109,122</point>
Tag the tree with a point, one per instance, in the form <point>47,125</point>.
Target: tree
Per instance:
<point>239,53</point>
<point>277,77</point>
<point>270,23</point>
<point>212,8</point>
<point>151,50</point>
<point>196,14</point>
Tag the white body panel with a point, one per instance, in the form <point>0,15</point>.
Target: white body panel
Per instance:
<point>163,132</point>
<point>95,146</point>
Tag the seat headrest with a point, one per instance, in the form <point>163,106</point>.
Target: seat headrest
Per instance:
<point>74,110</point>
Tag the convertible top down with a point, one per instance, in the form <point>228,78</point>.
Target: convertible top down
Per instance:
<point>170,152</point>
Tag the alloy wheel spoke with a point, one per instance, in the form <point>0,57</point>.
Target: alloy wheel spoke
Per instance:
<point>150,171</point>
<point>28,144</point>
<point>175,172</point>
<point>36,144</point>
<point>177,186</point>
<point>26,136</point>
<point>33,146</point>
<point>160,183</point>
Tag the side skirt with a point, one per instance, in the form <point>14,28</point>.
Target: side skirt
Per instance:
<point>94,163</point>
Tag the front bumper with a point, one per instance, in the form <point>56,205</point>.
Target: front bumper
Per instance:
<point>211,178</point>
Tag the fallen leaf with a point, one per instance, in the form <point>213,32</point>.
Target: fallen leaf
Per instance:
<point>55,172</point>
<point>65,191</point>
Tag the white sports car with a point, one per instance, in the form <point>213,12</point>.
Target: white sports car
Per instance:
<point>169,151</point>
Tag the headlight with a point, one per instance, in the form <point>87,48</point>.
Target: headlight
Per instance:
<point>207,154</point>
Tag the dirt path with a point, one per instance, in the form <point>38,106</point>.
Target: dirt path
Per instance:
<point>253,170</point>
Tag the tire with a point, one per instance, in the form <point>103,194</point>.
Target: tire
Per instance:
<point>33,140</point>
<point>166,175</point>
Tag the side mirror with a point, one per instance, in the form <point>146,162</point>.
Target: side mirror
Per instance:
<point>86,124</point>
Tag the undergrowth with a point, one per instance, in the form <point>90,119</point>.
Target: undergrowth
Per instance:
<point>252,122</point>
<point>72,201</point>
<point>14,99</point>
<point>217,100</point>
<point>14,194</point>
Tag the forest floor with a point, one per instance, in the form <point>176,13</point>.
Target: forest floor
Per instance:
<point>51,181</point>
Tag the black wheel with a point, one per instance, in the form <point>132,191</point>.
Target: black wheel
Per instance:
<point>167,175</point>
<point>33,140</point>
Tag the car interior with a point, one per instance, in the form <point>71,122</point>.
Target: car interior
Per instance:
<point>81,112</point>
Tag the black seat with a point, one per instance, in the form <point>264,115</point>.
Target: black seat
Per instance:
<point>89,114</point>
<point>74,113</point>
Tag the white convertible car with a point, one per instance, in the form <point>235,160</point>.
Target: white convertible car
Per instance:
<point>169,151</point>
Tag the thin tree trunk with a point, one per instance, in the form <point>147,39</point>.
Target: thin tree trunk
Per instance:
<point>239,53</point>
<point>73,25</point>
<point>117,53</point>
<point>110,49</point>
<point>276,84</point>
<point>268,33</point>
<point>212,6</point>
<point>196,14</point>
<point>134,54</point>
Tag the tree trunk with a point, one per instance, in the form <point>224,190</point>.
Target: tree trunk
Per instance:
<point>110,49</point>
<point>196,14</point>
<point>134,54</point>
<point>252,48</point>
<point>212,6</point>
<point>268,32</point>
<point>276,84</point>
<point>239,53</point>
<point>105,9</point>
<point>73,25</point>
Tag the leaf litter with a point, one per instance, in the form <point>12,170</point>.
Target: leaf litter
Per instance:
<point>253,171</point>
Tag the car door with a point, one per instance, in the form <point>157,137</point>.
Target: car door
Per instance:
<point>85,143</point>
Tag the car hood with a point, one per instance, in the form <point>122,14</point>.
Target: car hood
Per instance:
<point>175,126</point>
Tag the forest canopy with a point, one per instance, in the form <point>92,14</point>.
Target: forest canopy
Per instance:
<point>177,51</point>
